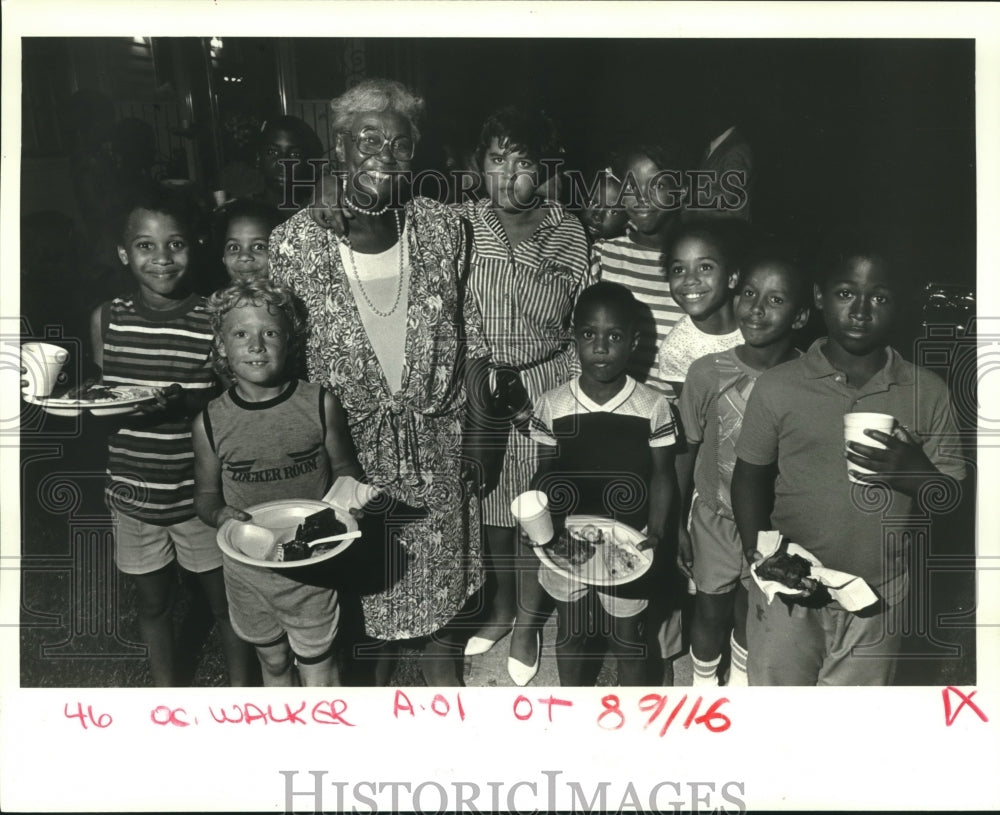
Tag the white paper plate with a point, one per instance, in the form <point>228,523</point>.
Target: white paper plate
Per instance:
<point>283,518</point>
<point>124,401</point>
<point>595,571</point>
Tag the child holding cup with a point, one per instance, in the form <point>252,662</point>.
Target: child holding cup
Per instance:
<point>41,365</point>
<point>631,480</point>
<point>159,336</point>
<point>790,476</point>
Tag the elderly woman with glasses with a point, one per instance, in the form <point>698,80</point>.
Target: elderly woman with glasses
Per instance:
<point>391,333</point>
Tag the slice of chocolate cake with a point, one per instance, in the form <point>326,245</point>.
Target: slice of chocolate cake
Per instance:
<point>791,570</point>
<point>576,549</point>
<point>320,524</point>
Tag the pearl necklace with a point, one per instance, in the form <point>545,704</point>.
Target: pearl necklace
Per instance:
<point>355,208</point>
<point>357,277</point>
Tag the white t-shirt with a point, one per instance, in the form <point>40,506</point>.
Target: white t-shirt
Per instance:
<point>685,343</point>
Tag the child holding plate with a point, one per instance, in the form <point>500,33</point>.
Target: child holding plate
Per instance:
<point>270,437</point>
<point>791,475</point>
<point>630,480</point>
<point>158,339</point>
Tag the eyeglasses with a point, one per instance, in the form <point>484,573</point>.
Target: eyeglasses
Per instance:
<point>371,141</point>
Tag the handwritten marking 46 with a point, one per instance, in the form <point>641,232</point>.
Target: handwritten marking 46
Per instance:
<point>101,720</point>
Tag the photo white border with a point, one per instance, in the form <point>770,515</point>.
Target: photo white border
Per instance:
<point>845,748</point>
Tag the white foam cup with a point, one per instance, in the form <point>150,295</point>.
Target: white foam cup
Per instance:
<point>531,509</point>
<point>42,363</point>
<point>855,425</point>
<point>220,197</point>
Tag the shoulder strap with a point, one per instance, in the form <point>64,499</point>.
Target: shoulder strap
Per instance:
<point>205,416</point>
<point>322,410</point>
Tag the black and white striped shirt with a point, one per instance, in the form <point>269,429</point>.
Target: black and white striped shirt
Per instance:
<point>527,294</point>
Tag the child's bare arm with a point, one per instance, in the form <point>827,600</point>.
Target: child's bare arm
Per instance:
<point>684,467</point>
<point>208,501</point>
<point>339,444</point>
<point>93,372</point>
<point>753,500</point>
<point>179,401</point>
<point>97,340</point>
<point>903,464</point>
<point>662,487</point>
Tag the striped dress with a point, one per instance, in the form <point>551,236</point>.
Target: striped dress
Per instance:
<point>150,459</point>
<point>641,270</point>
<point>526,297</point>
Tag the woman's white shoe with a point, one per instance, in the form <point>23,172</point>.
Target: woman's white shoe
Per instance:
<point>522,674</point>
<point>480,645</point>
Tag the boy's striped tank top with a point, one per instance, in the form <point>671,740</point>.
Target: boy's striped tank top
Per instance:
<point>151,460</point>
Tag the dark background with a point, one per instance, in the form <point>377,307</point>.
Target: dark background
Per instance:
<point>877,132</point>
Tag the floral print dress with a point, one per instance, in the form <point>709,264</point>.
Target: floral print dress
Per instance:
<point>408,442</point>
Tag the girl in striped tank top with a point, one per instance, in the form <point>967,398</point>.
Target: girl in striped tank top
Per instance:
<point>160,336</point>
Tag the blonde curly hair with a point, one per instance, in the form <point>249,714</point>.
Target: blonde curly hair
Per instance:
<point>257,292</point>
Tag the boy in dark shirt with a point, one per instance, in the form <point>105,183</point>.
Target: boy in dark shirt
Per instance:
<point>610,446</point>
